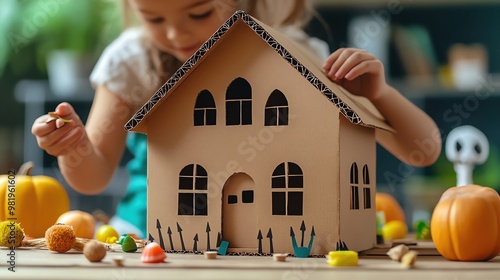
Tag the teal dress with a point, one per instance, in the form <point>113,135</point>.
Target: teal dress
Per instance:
<point>133,206</point>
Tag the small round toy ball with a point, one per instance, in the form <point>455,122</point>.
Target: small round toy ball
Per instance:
<point>60,238</point>
<point>94,251</point>
<point>394,229</point>
<point>128,245</point>
<point>11,234</point>
<point>153,253</point>
<point>105,232</point>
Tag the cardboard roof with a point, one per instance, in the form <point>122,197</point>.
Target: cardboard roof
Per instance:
<point>357,109</point>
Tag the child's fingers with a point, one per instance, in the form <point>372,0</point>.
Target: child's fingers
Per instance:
<point>56,131</point>
<point>327,65</point>
<point>59,123</point>
<point>363,67</point>
<point>349,60</point>
<point>336,60</point>
<point>65,111</point>
<point>48,134</point>
<point>60,142</point>
<point>42,126</point>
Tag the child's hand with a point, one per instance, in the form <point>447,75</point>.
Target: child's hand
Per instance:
<point>358,71</point>
<point>56,136</point>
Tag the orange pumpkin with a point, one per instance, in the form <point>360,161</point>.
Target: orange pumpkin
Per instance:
<point>82,222</point>
<point>34,202</point>
<point>389,205</point>
<point>465,223</point>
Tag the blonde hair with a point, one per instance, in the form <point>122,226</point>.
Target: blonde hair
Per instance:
<point>278,13</point>
<point>275,13</point>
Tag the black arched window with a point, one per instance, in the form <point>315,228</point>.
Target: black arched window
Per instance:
<point>204,109</point>
<point>239,103</point>
<point>366,188</point>
<point>193,186</point>
<point>276,112</point>
<point>354,186</point>
<point>287,185</point>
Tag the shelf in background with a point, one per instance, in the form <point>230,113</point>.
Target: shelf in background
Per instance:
<point>406,3</point>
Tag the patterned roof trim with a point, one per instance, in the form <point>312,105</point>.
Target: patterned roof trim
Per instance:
<point>259,30</point>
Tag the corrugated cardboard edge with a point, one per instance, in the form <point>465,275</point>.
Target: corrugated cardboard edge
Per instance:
<point>357,110</point>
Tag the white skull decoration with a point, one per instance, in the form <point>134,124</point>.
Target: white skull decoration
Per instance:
<point>466,146</point>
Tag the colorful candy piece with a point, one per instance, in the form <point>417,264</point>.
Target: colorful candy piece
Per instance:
<point>111,240</point>
<point>422,230</point>
<point>342,258</point>
<point>128,245</point>
<point>153,253</point>
<point>122,237</point>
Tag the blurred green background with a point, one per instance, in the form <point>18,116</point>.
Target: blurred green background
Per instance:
<point>407,35</point>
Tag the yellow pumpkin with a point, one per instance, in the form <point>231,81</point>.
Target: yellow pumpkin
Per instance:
<point>465,223</point>
<point>33,201</point>
<point>389,205</point>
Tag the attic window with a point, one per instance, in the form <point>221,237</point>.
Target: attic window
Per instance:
<point>239,103</point>
<point>287,195</point>
<point>276,112</point>
<point>193,186</point>
<point>204,109</point>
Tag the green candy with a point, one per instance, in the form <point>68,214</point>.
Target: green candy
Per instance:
<point>422,230</point>
<point>128,244</point>
<point>122,237</point>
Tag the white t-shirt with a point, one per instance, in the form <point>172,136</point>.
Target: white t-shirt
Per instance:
<point>124,65</point>
<point>125,70</point>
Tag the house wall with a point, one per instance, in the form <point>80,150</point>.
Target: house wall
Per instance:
<point>357,213</point>
<point>310,140</point>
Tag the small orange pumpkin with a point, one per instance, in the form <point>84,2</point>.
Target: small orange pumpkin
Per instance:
<point>389,205</point>
<point>465,223</point>
<point>82,222</point>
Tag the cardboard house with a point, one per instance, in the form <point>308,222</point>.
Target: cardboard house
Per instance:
<point>250,143</point>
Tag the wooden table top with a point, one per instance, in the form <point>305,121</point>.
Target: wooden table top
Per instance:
<point>44,264</point>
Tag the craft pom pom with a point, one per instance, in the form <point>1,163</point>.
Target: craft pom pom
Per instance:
<point>60,238</point>
<point>11,234</point>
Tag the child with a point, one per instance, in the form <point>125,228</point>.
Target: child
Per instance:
<point>136,64</point>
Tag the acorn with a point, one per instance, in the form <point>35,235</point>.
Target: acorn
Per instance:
<point>94,251</point>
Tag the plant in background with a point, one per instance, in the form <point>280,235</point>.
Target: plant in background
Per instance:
<point>32,29</point>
